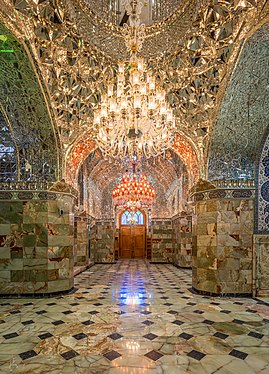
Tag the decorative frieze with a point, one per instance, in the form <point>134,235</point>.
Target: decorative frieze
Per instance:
<point>227,193</point>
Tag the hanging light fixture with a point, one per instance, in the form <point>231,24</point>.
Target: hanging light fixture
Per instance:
<point>133,192</point>
<point>134,118</point>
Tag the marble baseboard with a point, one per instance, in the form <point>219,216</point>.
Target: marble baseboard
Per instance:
<point>38,295</point>
<point>80,269</point>
<point>228,294</point>
<point>181,267</point>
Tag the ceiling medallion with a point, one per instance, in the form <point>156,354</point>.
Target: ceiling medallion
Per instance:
<point>133,192</point>
<point>134,118</point>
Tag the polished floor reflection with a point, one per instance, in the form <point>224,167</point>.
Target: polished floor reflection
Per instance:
<point>133,317</point>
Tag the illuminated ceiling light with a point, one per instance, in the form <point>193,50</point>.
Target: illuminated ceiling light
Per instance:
<point>134,118</point>
<point>133,192</point>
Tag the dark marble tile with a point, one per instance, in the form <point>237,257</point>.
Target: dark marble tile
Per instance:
<point>146,312</point>
<point>239,321</point>
<point>28,354</point>
<point>150,336</point>
<point>80,336</point>
<point>112,355</point>
<point>221,335</point>
<point>148,323</point>
<point>185,336</point>
<point>59,322</point>
<point>45,336</point>
<point>154,355</point>
<point>208,322</point>
<point>255,335</point>
<point>196,355</point>
<point>11,335</point>
<point>28,322</point>
<point>177,322</point>
<point>69,354</point>
<point>238,354</point>
<point>115,336</point>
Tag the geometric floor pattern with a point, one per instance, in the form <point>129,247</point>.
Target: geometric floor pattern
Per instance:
<point>134,317</point>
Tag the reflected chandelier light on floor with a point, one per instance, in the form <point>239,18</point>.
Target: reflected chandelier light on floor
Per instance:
<point>133,192</point>
<point>134,117</point>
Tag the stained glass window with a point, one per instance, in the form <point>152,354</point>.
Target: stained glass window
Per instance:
<point>132,218</point>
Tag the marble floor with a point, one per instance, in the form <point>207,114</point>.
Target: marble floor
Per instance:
<point>134,317</point>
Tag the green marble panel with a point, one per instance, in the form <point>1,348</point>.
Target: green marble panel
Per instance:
<point>4,253</point>
<point>35,275</point>
<point>35,263</point>
<point>5,276</point>
<point>60,252</point>
<point>60,285</point>
<point>29,240</point>
<point>28,227</point>
<point>5,229</point>
<point>60,240</point>
<point>16,252</point>
<point>53,274</point>
<point>16,276</point>
<point>41,231</point>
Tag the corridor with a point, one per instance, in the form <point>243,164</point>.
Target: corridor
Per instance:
<point>134,317</point>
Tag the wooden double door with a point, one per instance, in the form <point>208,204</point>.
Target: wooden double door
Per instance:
<point>132,241</point>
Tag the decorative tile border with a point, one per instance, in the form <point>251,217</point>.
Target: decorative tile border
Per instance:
<point>262,183</point>
<point>246,193</point>
<point>30,195</point>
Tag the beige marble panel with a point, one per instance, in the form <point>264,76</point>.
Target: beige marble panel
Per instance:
<point>261,255</point>
<point>222,261</point>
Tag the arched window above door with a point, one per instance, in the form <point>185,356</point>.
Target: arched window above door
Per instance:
<point>132,218</point>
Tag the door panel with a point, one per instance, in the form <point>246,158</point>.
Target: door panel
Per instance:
<point>132,241</point>
<point>139,241</point>
<point>125,242</point>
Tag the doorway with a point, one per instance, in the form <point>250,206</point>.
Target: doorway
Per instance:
<point>132,235</point>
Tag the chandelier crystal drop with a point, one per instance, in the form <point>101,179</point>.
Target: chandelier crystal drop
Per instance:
<point>133,192</point>
<point>134,118</point>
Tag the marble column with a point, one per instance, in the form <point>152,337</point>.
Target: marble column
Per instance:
<point>182,240</point>
<point>162,245</point>
<point>104,241</point>
<point>261,270</point>
<point>36,242</point>
<point>222,241</point>
<point>82,239</point>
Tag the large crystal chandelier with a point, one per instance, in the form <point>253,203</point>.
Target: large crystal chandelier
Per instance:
<point>133,192</point>
<point>134,118</point>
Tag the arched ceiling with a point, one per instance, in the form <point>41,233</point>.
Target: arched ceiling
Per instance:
<point>160,170</point>
<point>191,53</point>
<point>85,145</point>
<point>167,175</point>
<point>244,113</point>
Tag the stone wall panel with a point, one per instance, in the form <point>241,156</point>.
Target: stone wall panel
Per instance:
<point>222,261</point>
<point>37,244</point>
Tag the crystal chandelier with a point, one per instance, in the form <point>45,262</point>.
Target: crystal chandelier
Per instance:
<point>134,118</point>
<point>133,192</point>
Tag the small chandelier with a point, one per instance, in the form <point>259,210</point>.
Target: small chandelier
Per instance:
<point>134,118</point>
<point>133,192</point>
